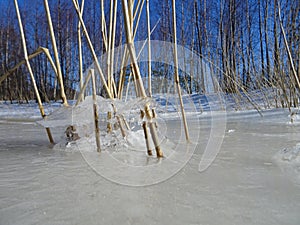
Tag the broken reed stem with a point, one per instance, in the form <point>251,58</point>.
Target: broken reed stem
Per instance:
<point>30,71</point>
<point>109,126</point>
<point>176,76</point>
<point>47,53</point>
<point>92,50</point>
<point>154,117</point>
<point>96,116</point>
<point>125,122</point>
<point>50,137</point>
<point>36,53</point>
<point>58,68</point>
<point>149,151</point>
<point>153,131</point>
<point>144,125</point>
<point>119,120</point>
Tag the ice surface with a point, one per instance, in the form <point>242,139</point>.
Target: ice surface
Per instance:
<point>246,184</point>
<point>291,155</point>
<point>28,111</point>
<point>288,160</point>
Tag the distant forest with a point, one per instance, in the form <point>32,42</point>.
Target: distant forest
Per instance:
<point>249,44</point>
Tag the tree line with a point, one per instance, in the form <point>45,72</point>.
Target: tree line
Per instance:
<point>249,45</point>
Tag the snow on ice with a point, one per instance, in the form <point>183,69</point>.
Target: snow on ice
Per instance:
<point>253,180</point>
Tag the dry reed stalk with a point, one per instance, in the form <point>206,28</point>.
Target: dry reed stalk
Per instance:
<point>149,151</point>
<point>176,76</point>
<point>122,73</point>
<point>287,48</point>
<point>125,122</point>
<point>131,50</point>
<point>136,85</point>
<point>103,25</point>
<point>113,46</point>
<point>146,41</point>
<point>81,95</point>
<point>80,48</point>
<point>109,126</point>
<point>95,111</point>
<point>126,52</point>
<point>47,53</point>
<point>58,69</point>
<point>130,9</point>
<point>36,53</point>
<point>92,50</point>
<point>30,71</point>
<point>147,140</point>
<point>154,117</point>
<point>119,120</point>
<point>256,107</point>
<point>125,59</point>
<point>127,13</point>
<point>153,131</point>
<point>109,82</point>
<point>136,9</point>
<point>138,19</point>
<point>115,92</point>
<point>128,84</point>
<point>149,49</point>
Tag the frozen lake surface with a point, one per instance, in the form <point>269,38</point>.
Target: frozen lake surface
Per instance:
<point>249,182</point>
